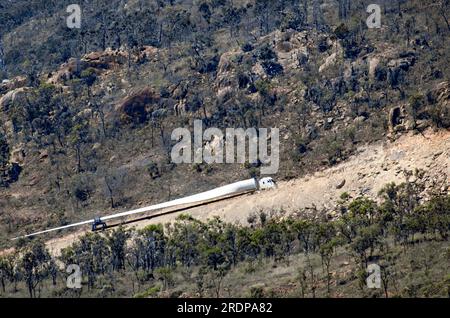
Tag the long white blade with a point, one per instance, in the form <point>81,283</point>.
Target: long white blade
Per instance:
<point>234,188</point>
<point>56,229</point>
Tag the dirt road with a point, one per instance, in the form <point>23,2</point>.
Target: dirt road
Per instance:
<point>366,172</point>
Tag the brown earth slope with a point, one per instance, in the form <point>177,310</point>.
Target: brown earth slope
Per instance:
<point>412,157</point>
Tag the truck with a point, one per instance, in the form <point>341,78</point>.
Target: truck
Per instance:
<point>267,183</point>
<point>220,193</point>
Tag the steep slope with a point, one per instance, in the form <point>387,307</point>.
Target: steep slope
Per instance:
<point>366,172</point>
<point>86,115</point>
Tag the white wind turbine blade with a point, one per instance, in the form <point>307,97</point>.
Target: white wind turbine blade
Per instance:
<point>234,188</point>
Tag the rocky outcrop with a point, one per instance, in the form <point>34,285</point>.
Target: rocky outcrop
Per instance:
<point>226,78</point>
<point>13,96</point>
<point>329,61</point>
<point>66,72</point>
<point>399,119</point>
<point>440,97</point>
<point>106,59</point>
<point>136,107</point>
<point>100,61</point>
<point>16,82</point>
<point>18,154</point>
<point>291,49</point>
<point>373,64</point>
<point>441,93</point>
<point>403,62</point>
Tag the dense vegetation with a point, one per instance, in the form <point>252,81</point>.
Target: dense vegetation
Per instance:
<point>192,258</point>
<point>85,122</point>
<point>81,138</point>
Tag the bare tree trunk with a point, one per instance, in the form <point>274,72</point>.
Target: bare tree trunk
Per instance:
<point>442,11</point>
<point>2,54</point>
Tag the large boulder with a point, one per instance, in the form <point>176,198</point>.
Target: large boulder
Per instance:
<point>441,93</point>
<point>226,72</point>
<point>108,58</point>
<point>291,50</point>
<point>329,62</point>
<point>16,82</point>
<point>403,62</point>
<point>67,71</point>
<point>373,64</point>
<point>13,96</point>
<point>18,154</point>
<point>99,60</point>
<point>398,119</point>
<point>136,107</point>
<point>440,100</point>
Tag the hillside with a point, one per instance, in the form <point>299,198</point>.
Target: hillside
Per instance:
<point>87,114</point>
<point>365,173</point>
<point>68,130</point>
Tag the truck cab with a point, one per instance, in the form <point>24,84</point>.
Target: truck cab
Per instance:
<point>267,183</point>
<point>98,224</point>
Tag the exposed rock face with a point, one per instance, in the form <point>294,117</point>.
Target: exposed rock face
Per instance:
<point>395,116</point>
<point>137,106</point>
<point>291,49</point>
<point>373,63</point>
<point>226,74</point>
<point>13,96</point>
<point>441,97</point>
<point>398,119</point>
<point>329,61</point>
<point>18,154</point>
<point>225,64</point>
<point>259,70</point>
<point>340,184</point>
<point>388,60</point>
<point>225,93</point>
<point>291,52</point>
<point>333,58</point>
<point>103,60</point>
<point>66,71</point>
<point>16,82</point>
<point>442,92</point>
<point>404,62</point>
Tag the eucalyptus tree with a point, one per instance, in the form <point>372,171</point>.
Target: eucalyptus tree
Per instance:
<point>35,263</point>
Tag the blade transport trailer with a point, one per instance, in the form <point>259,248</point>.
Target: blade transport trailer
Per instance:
<point>221,193</point>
